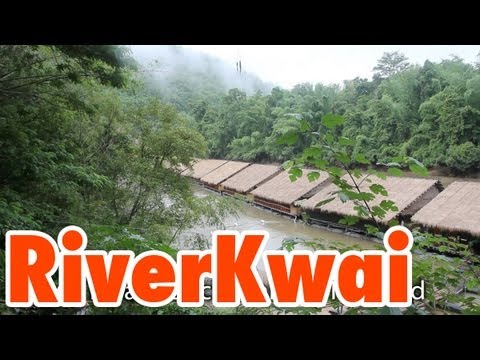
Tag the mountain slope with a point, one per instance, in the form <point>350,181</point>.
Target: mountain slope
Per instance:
<point>184,76</point>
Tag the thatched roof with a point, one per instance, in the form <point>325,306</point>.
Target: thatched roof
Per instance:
<point>456,209</point>
<point>203,167</point>
<point>248,178</point>
<point>224,172</point>
<point>281,190</point>
<point>403,191</point>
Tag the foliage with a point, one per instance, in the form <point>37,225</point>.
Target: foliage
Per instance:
<point>447,279</point>
<point>407,110</point>
<point>390,64</point>
<point>82,142</point>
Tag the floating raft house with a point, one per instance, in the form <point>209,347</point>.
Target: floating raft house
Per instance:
<point>203,167</point>
<point>214,178</point>
<point>408,194</point>
<point>249,178</point>
<point>456,210</point>
<point>280,193</point>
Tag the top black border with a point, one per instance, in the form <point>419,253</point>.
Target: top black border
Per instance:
<point>242,23</point>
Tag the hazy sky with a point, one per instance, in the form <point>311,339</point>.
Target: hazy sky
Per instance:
<point>287,65</point>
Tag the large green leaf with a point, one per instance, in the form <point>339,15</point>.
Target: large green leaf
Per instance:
<point>365,196</point>
<point>312,151</point>
<point>288,164</point>
<point>388,205</point>
<point>331,121</point>
<point>295,173</point>
<point>418,169</point>
<point>345,141</point>
<point>342,157</point>
<point>320,163</point>
<point>335,171</point>
<point>304,125</point>
<point>357,173</point>
<point>360,158</point>
<point>394,171</point>
<point>289,138</point>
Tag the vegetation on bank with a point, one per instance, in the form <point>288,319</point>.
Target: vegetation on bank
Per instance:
<point>430,112</point>
<point>82,143</point>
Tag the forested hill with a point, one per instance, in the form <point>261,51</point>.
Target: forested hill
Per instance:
<point>430,111</point>
<point>183,76</point>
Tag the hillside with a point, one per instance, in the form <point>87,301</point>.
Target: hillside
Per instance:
<point>183,76</point>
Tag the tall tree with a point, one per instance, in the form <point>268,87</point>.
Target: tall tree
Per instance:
<point>391,63</point>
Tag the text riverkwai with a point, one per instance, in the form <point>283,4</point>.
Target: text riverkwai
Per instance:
<point>370,278</point>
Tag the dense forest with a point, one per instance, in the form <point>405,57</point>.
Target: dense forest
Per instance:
<point>430,112</point>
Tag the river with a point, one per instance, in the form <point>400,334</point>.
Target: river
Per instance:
<point>279,227</point>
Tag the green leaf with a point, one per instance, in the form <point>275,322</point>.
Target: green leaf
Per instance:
<point>346,141</point>
<point>320,163</point>
<point>398,159</point>
<point>290,138</point>
<point>328,138</point>
<point>388,205</point>
<point>323,202</point>
<point>335,171</point>
<point>331,121</point>
<point>304,125</point>
<point>293,178</point>
<point>361,210</point>
<point>357,173</point>
<point>394,171</point>
<point>288,164</point>
<point>349,220</point>
<point>365,196</point>
<point>312,176</point>
<point>393,222</point>
<point>372,230</point>
<point>417,169</point>
<point>414,161</point>
<point>360,158</point>
<point>295,172</point>
<point>312,151</point>
<point>378,189</point>
<point>342,157</point>
<point>341,183</point>
<point>378,211</point>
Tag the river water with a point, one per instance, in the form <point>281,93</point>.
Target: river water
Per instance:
<point>280,228</point>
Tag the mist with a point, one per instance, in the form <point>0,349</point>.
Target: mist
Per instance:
<point>166,65</point>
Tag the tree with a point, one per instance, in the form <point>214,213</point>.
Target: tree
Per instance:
<point>41,99</point>
<point>472,94</point>
<point>463,157</point>
<point>391,63</point>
